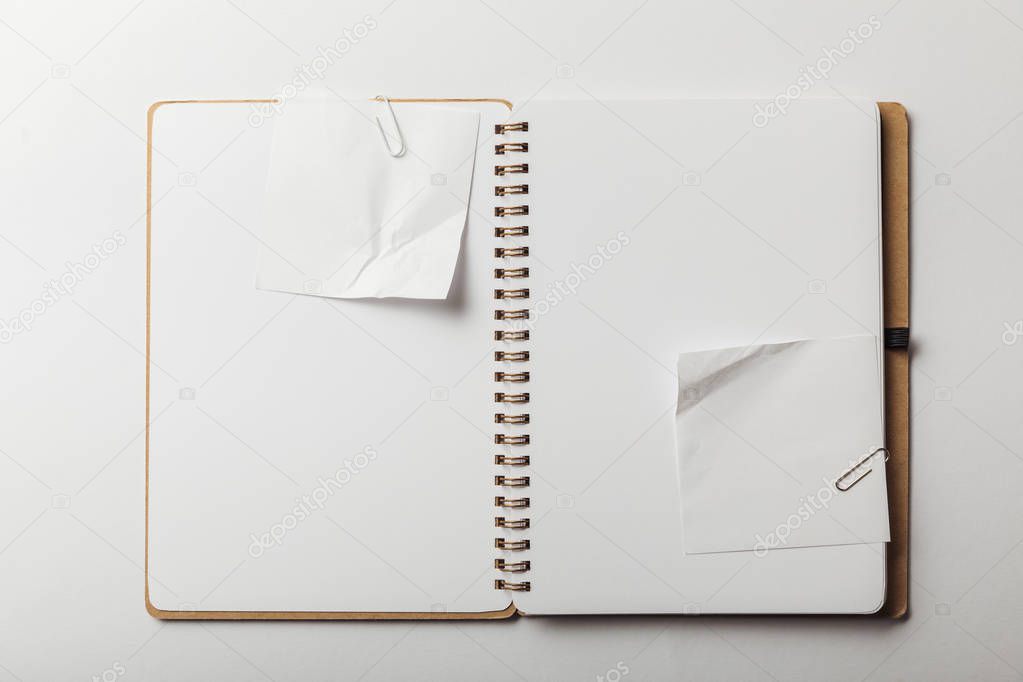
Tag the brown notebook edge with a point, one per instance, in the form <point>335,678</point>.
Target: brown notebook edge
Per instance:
<point>895,240</point>
<point>895,255</point>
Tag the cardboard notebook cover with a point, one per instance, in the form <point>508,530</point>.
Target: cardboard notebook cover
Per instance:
<point>895,255</point>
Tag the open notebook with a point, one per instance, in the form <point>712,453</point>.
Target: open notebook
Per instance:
<point>511,446</point>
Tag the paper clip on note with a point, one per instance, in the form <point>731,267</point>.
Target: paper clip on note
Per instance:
<point>402,148</point>
<point>843,484</point>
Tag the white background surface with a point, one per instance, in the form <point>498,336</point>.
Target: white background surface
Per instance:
<point>77,81</point>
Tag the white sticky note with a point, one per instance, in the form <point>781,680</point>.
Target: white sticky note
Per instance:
<point>344,219</point>
<point>763,432</point>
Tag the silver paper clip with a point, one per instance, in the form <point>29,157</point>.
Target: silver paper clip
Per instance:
<point>840,482</point>
<point>394,119</point>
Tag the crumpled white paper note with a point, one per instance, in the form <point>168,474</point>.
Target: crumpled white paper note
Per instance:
<point>344,219</point>
<point>764,431</point>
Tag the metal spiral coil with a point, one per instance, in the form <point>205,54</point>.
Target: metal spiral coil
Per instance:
<point>511,439</point>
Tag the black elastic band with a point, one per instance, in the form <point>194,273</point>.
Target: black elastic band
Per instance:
<point>896,337</point>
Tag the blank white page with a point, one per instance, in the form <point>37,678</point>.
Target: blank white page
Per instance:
<point>259,397</point>
<point>659,227</point>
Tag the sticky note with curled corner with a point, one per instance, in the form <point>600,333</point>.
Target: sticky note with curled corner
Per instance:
<point>764,432</point>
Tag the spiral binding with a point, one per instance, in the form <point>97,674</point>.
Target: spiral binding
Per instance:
<point>513,252</point>
<point>504,211</point>
<point>513,377</point>
<point>511,293</point>
<point>511,169</point>
<point>520,231</point>
<point>507,147</point>
<point>522,314</point>
<point>511,334</point>
<point>511,356</point>
<point>510,476</point>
